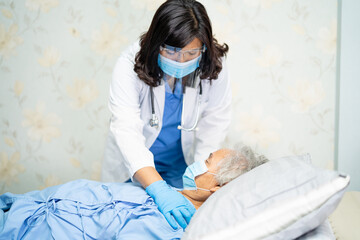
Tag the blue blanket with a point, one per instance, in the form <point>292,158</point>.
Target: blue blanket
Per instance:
<point>84,209</point>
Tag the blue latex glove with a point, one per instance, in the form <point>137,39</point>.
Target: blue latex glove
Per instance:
<point>172,204</point>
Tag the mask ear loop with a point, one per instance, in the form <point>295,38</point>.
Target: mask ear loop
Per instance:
<point>207,190</point>
<point>204,188</point>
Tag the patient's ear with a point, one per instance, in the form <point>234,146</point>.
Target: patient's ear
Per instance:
<point>214,189</point>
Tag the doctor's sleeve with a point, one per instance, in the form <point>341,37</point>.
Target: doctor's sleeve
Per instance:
<point>216,117</point>
<point>126,124</point>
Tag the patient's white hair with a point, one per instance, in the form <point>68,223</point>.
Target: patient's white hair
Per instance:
<point>239,161</point>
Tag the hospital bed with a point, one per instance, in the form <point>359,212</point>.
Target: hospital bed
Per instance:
<point>286,198</point>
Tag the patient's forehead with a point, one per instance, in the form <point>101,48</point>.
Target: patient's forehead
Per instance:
<point>222,153</point>
<point>217,156</point>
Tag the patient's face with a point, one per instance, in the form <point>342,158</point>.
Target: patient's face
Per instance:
<point>214,158</point>
<point>207,180</point>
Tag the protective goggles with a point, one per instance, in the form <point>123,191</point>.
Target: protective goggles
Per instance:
<point>176,54</point>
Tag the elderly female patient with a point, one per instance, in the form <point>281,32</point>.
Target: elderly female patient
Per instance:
<point>86,209</point>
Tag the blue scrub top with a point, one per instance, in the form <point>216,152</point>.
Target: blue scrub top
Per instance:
<point>167,150</point>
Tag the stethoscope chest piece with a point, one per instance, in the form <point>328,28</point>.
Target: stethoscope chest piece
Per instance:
<point>154,121</point>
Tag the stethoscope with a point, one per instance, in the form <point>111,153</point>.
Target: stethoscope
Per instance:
<point>154,121</point>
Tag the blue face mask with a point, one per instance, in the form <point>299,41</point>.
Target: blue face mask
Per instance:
<point>178,69</point>
<point>192,171</point>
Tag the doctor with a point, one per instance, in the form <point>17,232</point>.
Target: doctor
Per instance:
<point>170,102</point>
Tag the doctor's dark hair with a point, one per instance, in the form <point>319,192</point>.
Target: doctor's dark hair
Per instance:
<point>177,23</point>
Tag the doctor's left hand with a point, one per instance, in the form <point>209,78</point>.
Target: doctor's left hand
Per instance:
<point>172,204</point>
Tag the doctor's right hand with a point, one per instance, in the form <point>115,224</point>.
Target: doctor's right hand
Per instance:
<point>172,204</point>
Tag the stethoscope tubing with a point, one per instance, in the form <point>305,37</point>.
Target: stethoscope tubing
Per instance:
<point>154,121</point>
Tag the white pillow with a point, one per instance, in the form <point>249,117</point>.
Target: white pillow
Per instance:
<point>281,199</point>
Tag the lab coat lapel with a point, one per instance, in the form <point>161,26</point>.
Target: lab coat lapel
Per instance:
<point>159,97</point>
<point>190,103</point>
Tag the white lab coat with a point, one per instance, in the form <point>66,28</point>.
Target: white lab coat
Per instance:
<point>131,136</point>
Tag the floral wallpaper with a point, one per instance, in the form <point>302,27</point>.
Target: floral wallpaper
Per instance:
<point>56,60</point>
